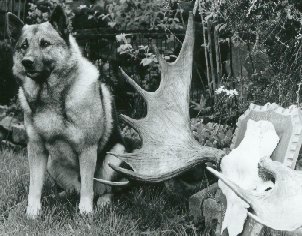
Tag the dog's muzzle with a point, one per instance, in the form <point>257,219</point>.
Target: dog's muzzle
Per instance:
<point>32,72</point>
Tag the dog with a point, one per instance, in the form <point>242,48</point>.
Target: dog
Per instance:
<point>69,115</point>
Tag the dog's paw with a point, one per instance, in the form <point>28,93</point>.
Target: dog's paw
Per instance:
<point>86,206</point>
<point>33,211</point>
<point>104,200</point>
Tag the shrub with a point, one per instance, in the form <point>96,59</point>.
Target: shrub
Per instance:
<point>8,84</point>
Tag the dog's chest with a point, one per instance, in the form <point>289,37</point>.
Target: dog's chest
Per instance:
<point>48,123</point>
<point>52,125</point>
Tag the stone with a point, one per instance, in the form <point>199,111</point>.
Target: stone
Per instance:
<point>196,201</point>
<point>19,134</point>
<point>214,210</point>
<point>251,227</point>
<point>208,205</point>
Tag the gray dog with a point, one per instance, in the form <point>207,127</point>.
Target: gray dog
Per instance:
<point>69,116</point>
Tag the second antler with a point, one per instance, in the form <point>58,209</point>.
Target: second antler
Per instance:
<point>279,208</point>
<point>169,147</point>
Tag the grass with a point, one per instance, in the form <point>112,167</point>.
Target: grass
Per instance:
<point>143,210</point>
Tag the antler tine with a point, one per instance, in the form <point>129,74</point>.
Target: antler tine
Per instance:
<point>136,176</point>
<point>186,52</point>
<point>176,76</point>
<point>107,182</point>
<point>122,156</point>
<point>135,124</point>
<point>138,88</point>
<point>156,178</point>
<point>162,62</point>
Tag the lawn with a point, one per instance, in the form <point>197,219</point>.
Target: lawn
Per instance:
<point>143,210</point>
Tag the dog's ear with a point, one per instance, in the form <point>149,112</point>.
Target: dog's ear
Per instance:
<point>14,26</point>
<point>59,21</point>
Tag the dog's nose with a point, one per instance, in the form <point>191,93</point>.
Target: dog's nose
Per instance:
<point>27,63</point>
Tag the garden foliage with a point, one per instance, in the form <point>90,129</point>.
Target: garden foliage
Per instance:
<point>270,32</point>
<point>252,46</point>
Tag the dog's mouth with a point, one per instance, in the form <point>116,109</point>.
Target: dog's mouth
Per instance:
<point>33,74</point>
<point>38,76</point>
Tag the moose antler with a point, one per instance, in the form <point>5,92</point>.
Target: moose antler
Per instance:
<point>279,208</point>
<point>168,145</point>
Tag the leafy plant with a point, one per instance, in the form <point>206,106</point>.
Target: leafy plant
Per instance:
<point>209,134</point>
<point>39,11</point>
<point>8,85</point>
<point>226,106</point>
<point>273,29</point>
<point>212,134</point>
<point>137,14</point>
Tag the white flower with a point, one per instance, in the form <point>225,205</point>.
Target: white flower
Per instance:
<point>120,37</point>
<point>229,92</point>
<point>232,92</point>
<point>235,92</point>
<point>219,90</point>
<point>82,6</point>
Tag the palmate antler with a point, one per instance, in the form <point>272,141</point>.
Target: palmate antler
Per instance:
<point>168,145</point>
<point>279,208</point>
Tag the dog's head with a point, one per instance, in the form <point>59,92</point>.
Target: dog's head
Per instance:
<point>39,48</point>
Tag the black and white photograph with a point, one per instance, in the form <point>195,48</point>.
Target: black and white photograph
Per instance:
<point>151,117</point>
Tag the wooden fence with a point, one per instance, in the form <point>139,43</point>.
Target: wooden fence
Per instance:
<point>18,7</point>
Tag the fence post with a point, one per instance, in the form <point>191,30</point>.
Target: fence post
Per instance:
<point>210,46</point>
<point>217,54</point>
<point>210,85</point>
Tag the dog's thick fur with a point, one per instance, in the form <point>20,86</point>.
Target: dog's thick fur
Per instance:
<point>68,114</point>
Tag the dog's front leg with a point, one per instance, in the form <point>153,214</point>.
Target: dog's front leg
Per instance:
<point>37,158</point>
<point>88,159</point>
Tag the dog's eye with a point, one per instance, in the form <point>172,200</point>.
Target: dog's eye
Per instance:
<point>24,45</point>
<point>44,43</point>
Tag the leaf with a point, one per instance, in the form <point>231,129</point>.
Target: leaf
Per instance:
<point>142,47</point>
<point>124,48</point>
<point>146,61</point>
<point>104,16</point>
<point>111,24</point>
